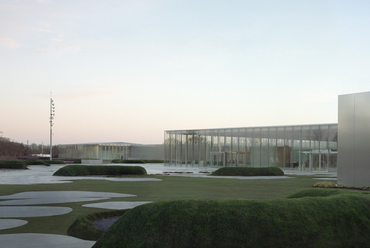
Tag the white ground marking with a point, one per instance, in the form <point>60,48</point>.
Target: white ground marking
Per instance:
<point>11,223</point>
<point>116,204</point>
<point>17,212</point>
<point>48,197</point>
<point>327,178</point>
<point>37,240</point>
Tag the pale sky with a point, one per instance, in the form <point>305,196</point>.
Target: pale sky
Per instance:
<point>126,70</point>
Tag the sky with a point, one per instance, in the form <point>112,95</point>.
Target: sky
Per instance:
<point>126,71</point>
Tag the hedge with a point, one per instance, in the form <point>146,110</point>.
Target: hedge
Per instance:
<point>339,220</point>
<point>153,161</point>
<point>128,161</point>
<point>36,162</point>
<point>54,162</point>
<point>13,164</point>
<point>85,170</point>
<point>248,171</point>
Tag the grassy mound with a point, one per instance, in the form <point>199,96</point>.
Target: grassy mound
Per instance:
<point>248,171</point>
<point>125,161</point>
<point>85,170</point>
<point>13,164</point>
<point>84,228</point>
<point>338,220</point>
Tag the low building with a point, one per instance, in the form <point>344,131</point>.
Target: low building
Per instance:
<point>302,147</point>
<point>110,151</point>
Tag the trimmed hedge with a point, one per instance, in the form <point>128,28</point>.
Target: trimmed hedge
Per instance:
<point>85,170</point>
<point>126,161</point>
<point>77,161</point>
<point>84,228</point>
<point>54,162</point>
<point>36,162</point>
<point>341,220</point>
<point>153,161</point>
<point>248,171</point>
<point>13,164</point>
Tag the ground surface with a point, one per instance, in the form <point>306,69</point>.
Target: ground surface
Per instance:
<point>37,189</point>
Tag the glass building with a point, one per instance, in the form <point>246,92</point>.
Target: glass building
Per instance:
<point>301,147</point>
<point>109,151</point>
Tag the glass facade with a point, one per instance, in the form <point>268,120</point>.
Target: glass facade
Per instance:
<point>110,151</point>
<point>304,147</point>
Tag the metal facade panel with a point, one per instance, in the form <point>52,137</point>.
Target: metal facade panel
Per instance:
<point>346,142</point>
<point>362,138</point>
<point>353,139</point>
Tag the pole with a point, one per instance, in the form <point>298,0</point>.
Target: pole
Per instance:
<point>52,113</point>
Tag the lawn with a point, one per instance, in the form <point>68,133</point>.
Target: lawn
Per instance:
<point>171,187</point>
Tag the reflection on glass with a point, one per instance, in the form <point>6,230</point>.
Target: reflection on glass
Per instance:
<point>306,147</point>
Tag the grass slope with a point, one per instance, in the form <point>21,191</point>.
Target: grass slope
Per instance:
<point>337,220</point>
<point>248,171</point>
<point>85,170</point>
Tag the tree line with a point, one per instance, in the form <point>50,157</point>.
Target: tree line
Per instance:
<point>12,149</point>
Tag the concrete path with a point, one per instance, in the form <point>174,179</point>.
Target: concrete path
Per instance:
<point>11,223</point>
<point>37,240</point>
<point>50,197</point>
<point>18,212</point>
<point>116,204</point>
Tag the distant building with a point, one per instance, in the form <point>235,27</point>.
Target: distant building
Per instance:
<point>301,147</point>
<point>110,151</point>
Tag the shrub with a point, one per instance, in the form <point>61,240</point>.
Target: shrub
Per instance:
<point>35,162</point>
<point>13,164</point>
<point>84,228</point>
<point>341,220</point>
<point>248,171</point>
<point>54,162</point>
<point>128,161</point>
<point>85,170</point>
<point>77,161</point>
<point>153,161</point>
<point>318,193</point>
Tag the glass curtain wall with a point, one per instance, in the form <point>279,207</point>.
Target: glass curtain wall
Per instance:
<point>303,147</point>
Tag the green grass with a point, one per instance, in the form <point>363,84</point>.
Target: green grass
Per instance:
<point>85,170</point>
<point>248,171</point>
<point>13,164</point>
<point>340,219</point>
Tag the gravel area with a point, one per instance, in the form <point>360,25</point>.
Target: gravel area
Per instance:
<point>105,223</point>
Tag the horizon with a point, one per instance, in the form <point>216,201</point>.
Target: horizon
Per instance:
<point>127,71</point>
